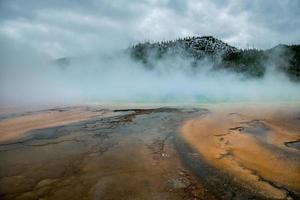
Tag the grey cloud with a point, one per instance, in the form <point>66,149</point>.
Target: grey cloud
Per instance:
<point>33,32</point>
<point>74,27</point>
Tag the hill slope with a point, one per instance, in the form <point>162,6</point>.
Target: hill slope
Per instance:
<point>250,62</point>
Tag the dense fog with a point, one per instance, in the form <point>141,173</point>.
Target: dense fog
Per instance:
<point>31,77</point>
<point>94,34</point>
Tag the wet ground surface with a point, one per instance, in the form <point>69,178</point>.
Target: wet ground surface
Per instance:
<point>129,154</point>
<point>293,144</point>
<point>245,155</point>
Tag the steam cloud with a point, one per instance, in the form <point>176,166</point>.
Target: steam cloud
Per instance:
<point>32,77</point>
<point>33,33</point>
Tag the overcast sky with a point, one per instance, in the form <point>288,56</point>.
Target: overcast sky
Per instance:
<point>71,27</point>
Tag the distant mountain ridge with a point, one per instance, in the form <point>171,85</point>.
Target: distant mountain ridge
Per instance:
<point>197,47</point>
<point>250,62</point>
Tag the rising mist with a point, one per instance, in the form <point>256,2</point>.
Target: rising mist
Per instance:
<point>31,77</point>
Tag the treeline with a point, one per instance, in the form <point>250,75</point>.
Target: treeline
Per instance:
<point>250,62</point>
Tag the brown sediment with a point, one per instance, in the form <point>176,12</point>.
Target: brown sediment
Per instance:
<point>250,144</point>
<point>129,155</point>
<point>16,127</point>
